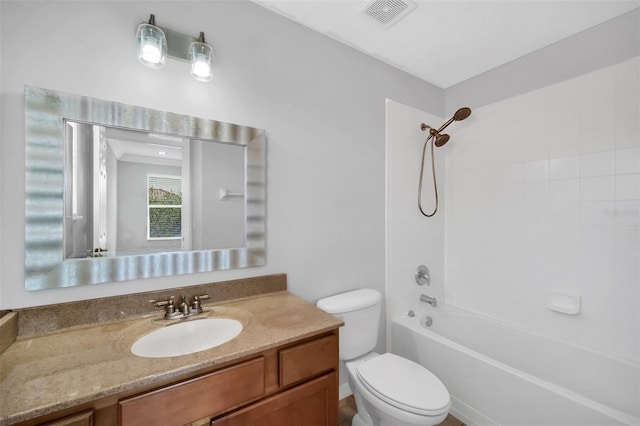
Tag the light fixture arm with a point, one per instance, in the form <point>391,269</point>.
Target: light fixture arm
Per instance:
<point>178,44</point>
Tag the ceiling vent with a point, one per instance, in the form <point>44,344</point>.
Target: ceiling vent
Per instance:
<point>388,12</point>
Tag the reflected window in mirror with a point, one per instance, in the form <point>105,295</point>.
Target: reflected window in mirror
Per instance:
<point>164,207</point>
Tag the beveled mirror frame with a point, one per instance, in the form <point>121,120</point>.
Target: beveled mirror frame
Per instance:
<point>45,266</point>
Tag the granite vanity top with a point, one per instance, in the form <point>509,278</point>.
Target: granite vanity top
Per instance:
<point>46,373</point>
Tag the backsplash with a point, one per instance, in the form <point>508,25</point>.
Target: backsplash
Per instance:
<point>51,318</point>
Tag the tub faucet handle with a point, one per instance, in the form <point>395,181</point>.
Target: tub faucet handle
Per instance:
<point>422,275</point>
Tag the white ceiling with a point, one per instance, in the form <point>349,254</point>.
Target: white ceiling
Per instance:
<point>142,147</point>
<point>445,42</point>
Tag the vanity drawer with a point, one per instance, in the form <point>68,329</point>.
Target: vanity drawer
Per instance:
<point>308,359</point>
<point>191,400</point>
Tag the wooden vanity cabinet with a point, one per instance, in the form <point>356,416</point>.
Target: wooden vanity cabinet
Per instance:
<point>294,385</point>
<point>307,401</point>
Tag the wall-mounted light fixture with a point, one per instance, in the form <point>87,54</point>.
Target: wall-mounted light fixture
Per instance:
<point>152,44</point>
<point>155,43</point>
<point>201,55</point>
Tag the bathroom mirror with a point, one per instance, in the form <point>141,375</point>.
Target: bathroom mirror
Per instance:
<point>116,192</point>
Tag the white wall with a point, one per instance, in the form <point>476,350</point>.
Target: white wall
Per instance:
<point>543,194</point>
<point>217,223</point>
<point>412,239</point>
<point>322,104</point>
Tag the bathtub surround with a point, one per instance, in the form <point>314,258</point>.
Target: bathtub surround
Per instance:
<point>541,197</point>
<point>412,239</point>
<point>494,383</point>
<point>549,180</point>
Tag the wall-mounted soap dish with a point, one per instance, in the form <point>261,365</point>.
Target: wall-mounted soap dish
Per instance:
<point>564,303</point>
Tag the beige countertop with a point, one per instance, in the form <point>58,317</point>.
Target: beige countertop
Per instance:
<point>50,372</point>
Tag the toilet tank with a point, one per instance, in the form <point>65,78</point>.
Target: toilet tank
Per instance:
<point>360,311</point>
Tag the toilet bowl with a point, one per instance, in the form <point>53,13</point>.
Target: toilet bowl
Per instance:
<point>389,390</point>
<point>394,391</point>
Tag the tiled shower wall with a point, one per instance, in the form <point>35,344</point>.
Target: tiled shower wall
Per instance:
<point>411,239</point>
<point>543,195</point>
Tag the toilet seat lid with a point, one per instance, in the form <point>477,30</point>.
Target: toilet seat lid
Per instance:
<point>404,384</point>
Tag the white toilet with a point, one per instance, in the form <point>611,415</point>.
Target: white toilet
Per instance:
<point>389,390</point>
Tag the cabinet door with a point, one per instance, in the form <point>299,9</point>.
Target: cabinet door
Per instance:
<point>314,403</point>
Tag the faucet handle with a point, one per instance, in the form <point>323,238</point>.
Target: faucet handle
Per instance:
<point>170,307</point>
<point>160,303</point>
<point>196,305</point>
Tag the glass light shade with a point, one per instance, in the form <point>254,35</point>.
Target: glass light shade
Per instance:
<point>201,55</point>
<point>152,46</point>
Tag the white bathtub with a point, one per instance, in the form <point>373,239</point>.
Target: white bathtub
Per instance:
<point>499,374</point>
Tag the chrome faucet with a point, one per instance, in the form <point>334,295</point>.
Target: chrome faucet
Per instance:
<point>184,307</point>
<point>184,310</point>
<point>430,300</point>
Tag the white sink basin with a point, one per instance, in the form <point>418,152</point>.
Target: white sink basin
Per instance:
<point>186,337</point>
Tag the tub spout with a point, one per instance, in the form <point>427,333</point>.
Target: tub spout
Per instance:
<point>430,300</point>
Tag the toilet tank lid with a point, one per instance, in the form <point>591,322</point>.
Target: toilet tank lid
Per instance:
<point>350,301</point>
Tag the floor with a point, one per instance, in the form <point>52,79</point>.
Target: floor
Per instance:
<point>347,409</point>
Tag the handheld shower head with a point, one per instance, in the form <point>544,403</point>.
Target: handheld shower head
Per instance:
<point>437,139</point>
<point>462,113</point>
